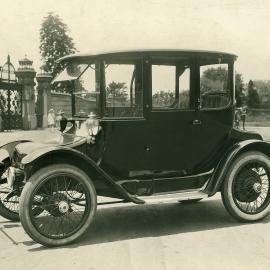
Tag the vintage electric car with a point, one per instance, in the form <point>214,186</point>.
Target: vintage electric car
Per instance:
<point>146,126</point>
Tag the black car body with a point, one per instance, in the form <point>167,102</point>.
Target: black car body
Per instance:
<point>156,126</point>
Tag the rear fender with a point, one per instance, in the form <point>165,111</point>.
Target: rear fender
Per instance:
<point>57,154</point>
<point>220,171</point>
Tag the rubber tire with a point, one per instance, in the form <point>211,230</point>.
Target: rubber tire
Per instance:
<point>13,216</point>
<point>30,187</point>
<point>8,214</point>
<point>226,192</point>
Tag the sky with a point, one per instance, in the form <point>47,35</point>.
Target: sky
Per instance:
<point>236,26</point>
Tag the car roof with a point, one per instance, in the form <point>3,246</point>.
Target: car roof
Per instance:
<point>149,52</point>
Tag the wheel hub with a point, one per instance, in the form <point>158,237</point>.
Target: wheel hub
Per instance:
<point>248,186</point>
<point>59,205</point>
<point>257,187</point>
<point>63,207</point>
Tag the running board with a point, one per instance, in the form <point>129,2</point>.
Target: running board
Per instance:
<point>168,197</point>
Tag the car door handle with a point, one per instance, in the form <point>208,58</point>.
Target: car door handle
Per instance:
<point>196,122</point>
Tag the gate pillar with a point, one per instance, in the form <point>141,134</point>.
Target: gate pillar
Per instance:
<point>26,75</point>
<point>44,98</point>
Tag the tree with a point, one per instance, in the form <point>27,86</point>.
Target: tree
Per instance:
<point>253,100</point>
<point>216,74</point>
<point>117,91</point>
<point>54,43</point>
<point>215,79</point>
<point>263,89</point>
<point>167,99</point>
<point>163,99</point>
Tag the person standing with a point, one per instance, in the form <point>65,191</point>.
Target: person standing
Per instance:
<point>237,118</point>
<point>244,115</point>
<point>51,119</point>
<point>57,120</point>
<point>62,121</point>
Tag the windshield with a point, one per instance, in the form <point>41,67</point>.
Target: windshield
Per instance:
<point>81,82</point>
<point>215,83</point>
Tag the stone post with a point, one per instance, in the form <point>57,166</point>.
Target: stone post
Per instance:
<point>44,94</point>
<point>26,75</point>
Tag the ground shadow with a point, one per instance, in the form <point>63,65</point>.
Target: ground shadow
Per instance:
<point>8,222</point>
<point>140,221</point>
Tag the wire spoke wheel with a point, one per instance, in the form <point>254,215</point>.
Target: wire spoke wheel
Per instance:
<point>66,197</point>
<point>62,216</point>
<point>251,190</point>
<point>246,189</point>
<point>11,203</point>
<point>9,200</point>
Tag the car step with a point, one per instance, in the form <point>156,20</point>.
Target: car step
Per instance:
<point>168,197</point>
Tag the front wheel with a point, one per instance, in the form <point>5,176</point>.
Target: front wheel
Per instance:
<point>68,201</point>
<point>246,188</point>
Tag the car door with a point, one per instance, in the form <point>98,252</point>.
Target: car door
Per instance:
<point>171,116</point>
<point>124,123</point>
<point>216,112</point>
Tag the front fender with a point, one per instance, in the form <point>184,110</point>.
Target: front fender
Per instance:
<point>10,146</point>
<point>48,155</point>
<point>7,150</point>
<point>40,153</point>
<point>220,171</point>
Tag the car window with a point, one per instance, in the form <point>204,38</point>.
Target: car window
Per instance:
<point>214,86</point>
<point>86,92</point>
<point>184,89</point>
<point>123,90</point>
<point>170,87</point>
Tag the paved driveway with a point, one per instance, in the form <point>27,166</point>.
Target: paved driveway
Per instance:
<point>164,236</point>
<point>34,135</point>
<point>264,131</point>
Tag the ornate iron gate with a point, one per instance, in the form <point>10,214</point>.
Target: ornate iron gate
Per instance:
<point>39,109</point>
<point>10,98</point>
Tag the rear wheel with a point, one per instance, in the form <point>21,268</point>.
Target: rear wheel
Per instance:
<point>9,199</point>
<point>246,188</point>
<point>67,198</point>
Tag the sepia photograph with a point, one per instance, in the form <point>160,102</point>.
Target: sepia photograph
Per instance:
<point>134,135</point>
